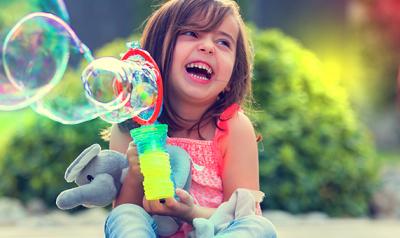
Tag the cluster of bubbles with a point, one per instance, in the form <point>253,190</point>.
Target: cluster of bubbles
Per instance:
<point>122,89</point>
<point>35,55</point>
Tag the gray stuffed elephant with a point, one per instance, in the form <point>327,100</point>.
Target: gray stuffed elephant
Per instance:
<point>99,175</point>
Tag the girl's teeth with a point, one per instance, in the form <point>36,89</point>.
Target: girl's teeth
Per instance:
<point>200,66</point>
<point>199,77</point>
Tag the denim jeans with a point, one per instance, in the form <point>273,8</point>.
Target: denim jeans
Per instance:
<point>129,220</point>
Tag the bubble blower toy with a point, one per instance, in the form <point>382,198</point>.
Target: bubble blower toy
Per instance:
<point>137,86</point>
<point>150,140</point>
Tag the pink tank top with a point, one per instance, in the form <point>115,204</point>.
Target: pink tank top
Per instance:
<point>206,187</point>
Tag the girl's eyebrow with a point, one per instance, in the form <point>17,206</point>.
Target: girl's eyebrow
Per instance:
<point>226,35</point>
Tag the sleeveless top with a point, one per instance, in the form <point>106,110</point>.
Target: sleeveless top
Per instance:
<point>206,188</point>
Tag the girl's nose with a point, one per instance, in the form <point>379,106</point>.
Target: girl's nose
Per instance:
<point>207,48</point>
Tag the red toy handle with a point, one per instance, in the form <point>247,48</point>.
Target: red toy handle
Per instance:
<point>119,88</point>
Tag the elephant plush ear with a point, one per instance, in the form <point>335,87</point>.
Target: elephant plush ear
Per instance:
<point>81,161</point>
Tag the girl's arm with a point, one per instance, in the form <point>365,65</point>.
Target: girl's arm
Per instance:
<point>240,167</point>
<point>119,141</point>
<point>199,211</point>
<point>132,188</point>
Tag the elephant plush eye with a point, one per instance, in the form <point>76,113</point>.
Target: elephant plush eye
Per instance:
<point>89,177</point>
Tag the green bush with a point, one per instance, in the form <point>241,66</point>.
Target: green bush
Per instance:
<point>35,159</point>
<point>316,154</point>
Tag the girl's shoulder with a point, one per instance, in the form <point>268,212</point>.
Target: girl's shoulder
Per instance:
<point>234,119</point>
<point>229,112</point>
<point>241,128</point>
<point>233,126</point>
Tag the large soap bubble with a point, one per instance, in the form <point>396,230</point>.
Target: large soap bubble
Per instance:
<point>11,98</point>
<point>67,103</point>
<point>35,55</point>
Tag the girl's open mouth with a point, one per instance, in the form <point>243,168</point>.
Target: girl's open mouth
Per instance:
<point>199,70</point>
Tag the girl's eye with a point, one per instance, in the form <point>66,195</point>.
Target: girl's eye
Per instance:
<point>224,43</point>
<point>190,33</point>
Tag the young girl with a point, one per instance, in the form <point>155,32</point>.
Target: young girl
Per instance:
<point>206,62</point>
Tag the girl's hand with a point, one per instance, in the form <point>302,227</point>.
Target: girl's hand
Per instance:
<point>182,209</point>
<point>132,187</point>
<point>134,166</point>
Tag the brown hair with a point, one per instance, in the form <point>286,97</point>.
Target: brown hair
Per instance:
<point>177,16</point>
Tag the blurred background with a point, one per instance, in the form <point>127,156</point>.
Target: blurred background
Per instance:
<point>326,83</point>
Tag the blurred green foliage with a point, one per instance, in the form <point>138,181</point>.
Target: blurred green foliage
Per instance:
<point>18,9</point>
<point>316,154</point>
<point>34,160</point>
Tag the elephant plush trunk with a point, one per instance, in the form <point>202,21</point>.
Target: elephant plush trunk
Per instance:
<point>99,192</point>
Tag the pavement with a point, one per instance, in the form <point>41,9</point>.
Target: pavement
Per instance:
<point>287,227</point>
<point>341,228</point>
<point>332,229</point>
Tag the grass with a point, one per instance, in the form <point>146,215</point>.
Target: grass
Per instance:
<point>9,122</point>
<point>390,157</point>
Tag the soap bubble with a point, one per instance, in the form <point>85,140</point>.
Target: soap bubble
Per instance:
<point>106,83</point>
<point>120,89</point>
<point>35,55</point>
<point>11,98</point>
<point>67,103</point>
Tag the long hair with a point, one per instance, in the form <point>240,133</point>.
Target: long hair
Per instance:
<point>159,39</point>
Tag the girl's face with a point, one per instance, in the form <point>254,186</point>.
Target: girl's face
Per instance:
<point>203,63</point>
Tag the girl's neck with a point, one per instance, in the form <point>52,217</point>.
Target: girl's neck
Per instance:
<point>191,114</point>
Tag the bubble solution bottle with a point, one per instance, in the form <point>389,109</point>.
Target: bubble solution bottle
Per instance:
<point>154,160</point>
